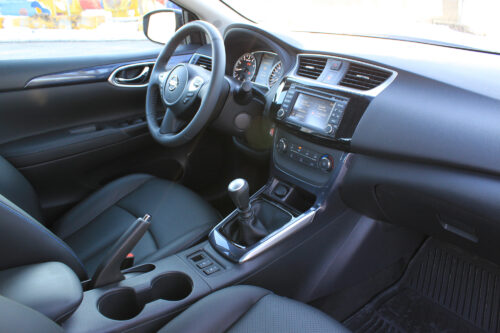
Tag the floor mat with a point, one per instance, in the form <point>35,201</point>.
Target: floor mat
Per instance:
<point>444,289</point>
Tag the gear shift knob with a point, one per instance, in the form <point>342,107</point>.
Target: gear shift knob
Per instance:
<point>239,192</point>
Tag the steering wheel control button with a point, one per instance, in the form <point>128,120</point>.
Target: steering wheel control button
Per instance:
<point>162,77</point>
<point>325,163</point>
<point>280,114</point>
<point>195,83</point>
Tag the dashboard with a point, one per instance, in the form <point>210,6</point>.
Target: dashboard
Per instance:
<point>260,67</point>
<point>416,126</point>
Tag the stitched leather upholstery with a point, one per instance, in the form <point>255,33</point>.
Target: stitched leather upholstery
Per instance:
<point>241,309</point>
<point>81,237</point>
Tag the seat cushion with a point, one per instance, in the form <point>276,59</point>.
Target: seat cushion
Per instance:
<point>251,309</point>
<point>179,219</point>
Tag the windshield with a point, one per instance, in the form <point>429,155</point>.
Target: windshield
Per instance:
<point>465,23</point>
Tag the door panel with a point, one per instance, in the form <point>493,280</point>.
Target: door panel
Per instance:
<point>63,134</point>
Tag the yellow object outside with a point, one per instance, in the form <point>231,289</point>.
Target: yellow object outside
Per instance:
<point>122,8</point>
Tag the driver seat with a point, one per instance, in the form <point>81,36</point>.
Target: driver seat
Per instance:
<point>79,239</point>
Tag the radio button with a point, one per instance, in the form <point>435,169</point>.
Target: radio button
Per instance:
<point>280,114</point>
<point>329,129</point>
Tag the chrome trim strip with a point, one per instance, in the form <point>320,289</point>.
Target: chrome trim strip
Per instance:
<point>113,79</point>
<point>242,254</point>
<point>280,234</point>
<point>58,79</point>
<point>93,74</point>
<point>79,76</point>
<point>371,93</point>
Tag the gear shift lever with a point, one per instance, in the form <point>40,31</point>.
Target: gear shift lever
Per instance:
<point>239,192</point>
<point>250,229</point>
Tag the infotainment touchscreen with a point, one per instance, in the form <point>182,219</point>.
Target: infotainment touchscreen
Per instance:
<point>311,111</point>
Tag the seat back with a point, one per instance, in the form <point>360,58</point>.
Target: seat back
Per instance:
<point>18,190</point>
<point>23,239</point>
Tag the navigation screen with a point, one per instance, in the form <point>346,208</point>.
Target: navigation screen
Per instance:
<point>311,111</point>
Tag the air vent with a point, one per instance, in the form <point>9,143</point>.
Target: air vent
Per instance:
<point>311,67</point>
<point>204,61</point>
<point>363,77</point>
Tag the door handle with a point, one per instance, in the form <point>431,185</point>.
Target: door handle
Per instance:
<point>139,77</point>
<point>141,80</point>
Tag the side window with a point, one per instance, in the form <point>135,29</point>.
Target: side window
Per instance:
<point>52,28</point>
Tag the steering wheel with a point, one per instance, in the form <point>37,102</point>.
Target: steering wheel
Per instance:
<point>177,91</point>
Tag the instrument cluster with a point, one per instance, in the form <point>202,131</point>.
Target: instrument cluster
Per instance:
<point>260,67</point>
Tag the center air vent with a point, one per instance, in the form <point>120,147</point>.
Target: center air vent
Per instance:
<point>204,61</point>
<point>311,67</point>
<point>363,77</point>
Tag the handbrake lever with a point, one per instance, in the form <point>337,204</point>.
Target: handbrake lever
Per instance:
<point>108,270</point>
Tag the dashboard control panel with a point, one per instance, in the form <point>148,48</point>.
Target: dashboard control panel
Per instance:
<point>304,155</point>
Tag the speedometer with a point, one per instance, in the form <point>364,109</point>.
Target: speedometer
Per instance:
<point>276,73</point>
<point>245,67</point>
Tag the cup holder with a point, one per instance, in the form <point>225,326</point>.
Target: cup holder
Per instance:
<point>125,303</point>
<point>172,287</point>
<point>121,304</point>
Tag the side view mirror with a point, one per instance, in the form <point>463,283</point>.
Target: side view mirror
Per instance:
<point>160,24</point>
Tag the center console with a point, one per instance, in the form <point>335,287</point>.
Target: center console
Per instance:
<point>314,125</point>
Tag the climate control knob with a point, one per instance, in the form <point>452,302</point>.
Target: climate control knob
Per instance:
<point>282,145</point>
<point>280,114</point>
<point>325,163</point>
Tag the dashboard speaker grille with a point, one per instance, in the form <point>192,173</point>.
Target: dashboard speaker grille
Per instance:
<point>204,61</point>
<point>363,77</point>
<point>311,67</point>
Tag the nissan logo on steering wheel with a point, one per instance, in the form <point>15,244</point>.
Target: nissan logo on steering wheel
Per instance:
<point>173,83</point>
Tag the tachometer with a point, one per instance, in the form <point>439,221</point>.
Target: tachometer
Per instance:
<point>245,67</point>
<point>276,73</point>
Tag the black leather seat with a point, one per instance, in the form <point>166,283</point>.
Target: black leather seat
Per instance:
<point>80,238</point>
<point>234,309</point>
<point>251,309</point>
